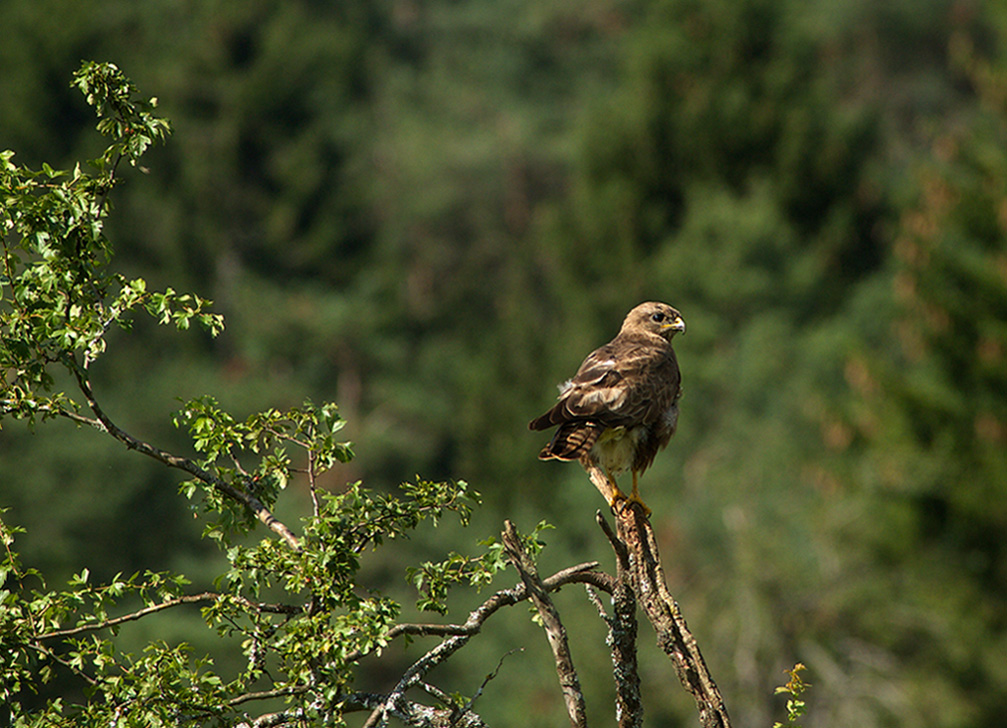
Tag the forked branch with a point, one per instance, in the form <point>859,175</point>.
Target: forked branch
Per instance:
<point>635,535</point>
<point>392,703</point>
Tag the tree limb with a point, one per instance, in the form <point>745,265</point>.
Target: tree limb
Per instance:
<point>161,606</point>
<point>409,712</point>
<point>673,636</point>
<point>573,696</point>
<point>267,695</point>
<point>253,504</point>
<point>622,631</point>
<point>582,573</point>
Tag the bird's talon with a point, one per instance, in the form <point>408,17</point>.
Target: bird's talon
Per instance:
<point>621,502</point>
<point>643,506</point>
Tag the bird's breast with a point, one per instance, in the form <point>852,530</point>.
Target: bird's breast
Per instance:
<point>616,448</point>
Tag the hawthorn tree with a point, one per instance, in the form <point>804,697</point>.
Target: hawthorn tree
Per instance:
<point>291,599</point>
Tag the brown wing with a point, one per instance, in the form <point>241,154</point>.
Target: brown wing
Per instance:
<point>622,384</point>
<point>597,382</point>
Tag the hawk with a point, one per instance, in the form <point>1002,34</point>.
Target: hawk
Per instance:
<point>621,407</point>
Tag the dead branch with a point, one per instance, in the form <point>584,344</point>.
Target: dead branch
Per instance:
<point>395,699</point>
<point>555,632</point>
<point>622,631</point>
<point>409,712</point>
<point>646,574</point>
<point>581,573</point>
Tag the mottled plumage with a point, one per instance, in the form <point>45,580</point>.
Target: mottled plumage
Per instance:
<point>621,407</point>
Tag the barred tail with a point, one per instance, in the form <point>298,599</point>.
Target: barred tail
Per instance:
<point>571,441</point>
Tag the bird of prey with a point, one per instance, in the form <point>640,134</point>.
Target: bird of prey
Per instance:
<point>621,407</point>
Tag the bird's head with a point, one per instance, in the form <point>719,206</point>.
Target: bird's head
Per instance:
<point>654,317</point>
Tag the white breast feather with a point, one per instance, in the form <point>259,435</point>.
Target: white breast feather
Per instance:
<point>616,448</point>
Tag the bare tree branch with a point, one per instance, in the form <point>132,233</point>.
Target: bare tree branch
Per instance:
<point>415,714</point>
<point>673,635</point>
<point>573,696</point>
<point>582,573</point>
<point>622,631</point>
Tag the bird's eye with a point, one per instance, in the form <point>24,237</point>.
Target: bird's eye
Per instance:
<point>657,317</point>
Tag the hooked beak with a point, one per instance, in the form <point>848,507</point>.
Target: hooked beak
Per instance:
<point>677,325</point>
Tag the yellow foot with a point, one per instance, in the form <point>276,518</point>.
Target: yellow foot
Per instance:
<point>635,498</point>
<point>620,501</point>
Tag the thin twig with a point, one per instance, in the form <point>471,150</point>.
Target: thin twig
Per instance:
<point>154,608</point>
<point>311,483</point>
<point>248,500</point>
<point>486,681</point>
<point>67,664</point>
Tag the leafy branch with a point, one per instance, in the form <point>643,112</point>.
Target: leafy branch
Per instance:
<point>293,606</point>
<point>795,687</point>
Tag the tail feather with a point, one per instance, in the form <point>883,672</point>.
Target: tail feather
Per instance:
<point>571,441</point>
<point>544,422</point>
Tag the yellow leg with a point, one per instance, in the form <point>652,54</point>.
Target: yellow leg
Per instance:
<point>635,496</point>
<point>604,482</point>
<point>617,495</point>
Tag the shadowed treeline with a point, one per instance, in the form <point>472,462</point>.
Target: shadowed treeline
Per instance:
<point>429,212</point>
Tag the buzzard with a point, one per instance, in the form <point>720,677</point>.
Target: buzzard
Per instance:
<point>621,407</point>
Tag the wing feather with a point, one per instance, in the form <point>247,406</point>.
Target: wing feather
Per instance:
<point>623,383</point>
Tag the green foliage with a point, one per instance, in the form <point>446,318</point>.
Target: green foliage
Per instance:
<point>58,297</point>
<point>265,435</point>
<point>306,645</point>
<point>434,580</point>
<point>128,122</point>
<point>795,688</point>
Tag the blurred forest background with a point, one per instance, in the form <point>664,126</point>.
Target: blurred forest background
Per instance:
<point>429,211</point>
